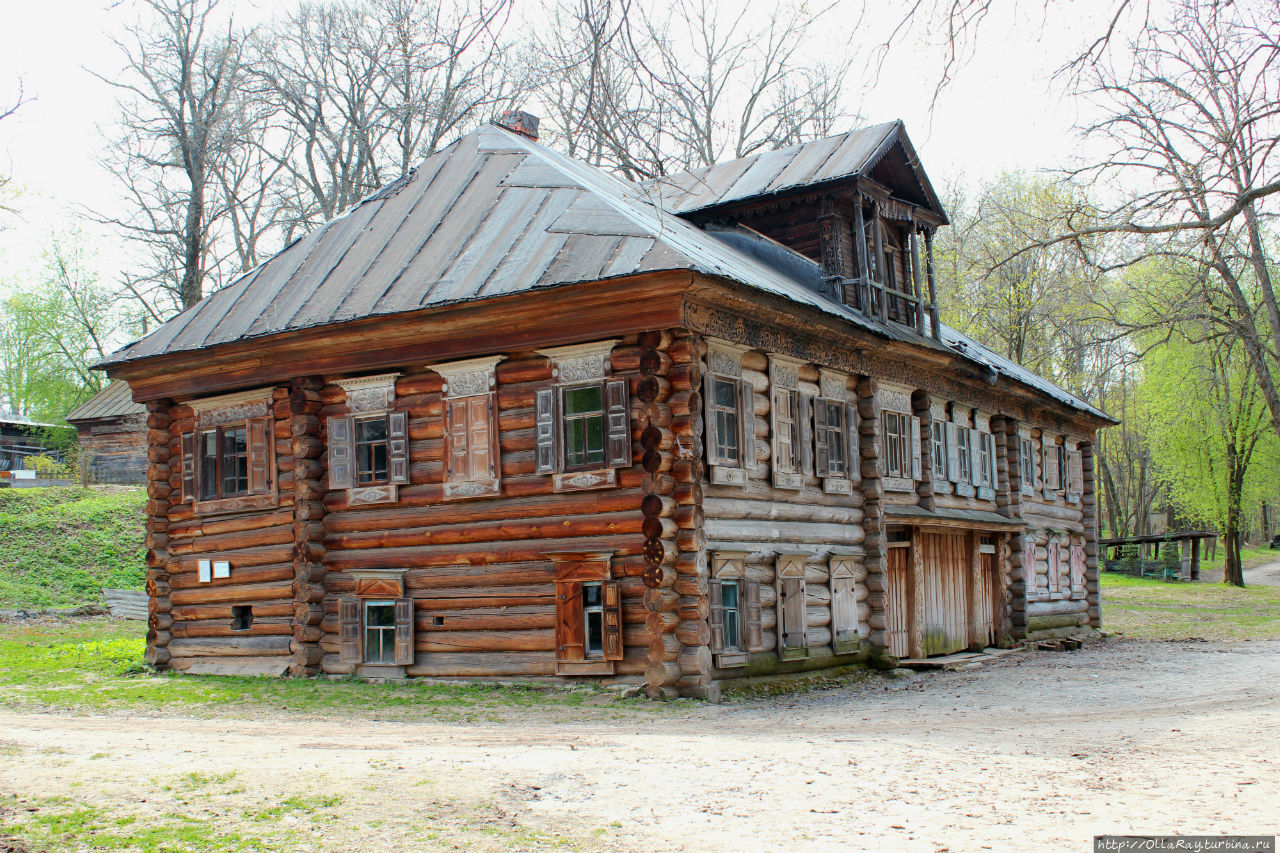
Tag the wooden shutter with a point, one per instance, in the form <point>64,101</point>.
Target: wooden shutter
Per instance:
<point>754,631</point>
<point>1049,453</point>
<point>821,439</point>
<point>917,471</point>
<point>404,631</point>
<point>711,429</point>
<point>188,467</point>
<point>1076,465</point>
<point>747,421</point>
<point>991,459</point>
<point>1078,568</point>
<point>975,457</point>
<point>398,446</point>
<point>259,456</point>
<point>611,592</point>
<point>844,609</point>
<point>1029,566</point>
<point>349,630</point>
<point>457,431</point>
<point>481,444</point>
<point>953,451</point>
<point>1055,579</point>
<point>794,613</point>
<point>341,454</point>
<point>805,415</point>
<point>853,459</point>
<point>545,431</point>
<point>716,618</point>
<point>571,641</point>
<point>618,424</point>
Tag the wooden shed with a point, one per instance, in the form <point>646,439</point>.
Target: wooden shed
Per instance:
<point>515,416</point>
<point>112,432</point>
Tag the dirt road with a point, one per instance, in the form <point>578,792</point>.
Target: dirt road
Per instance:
<point>1036,752</point>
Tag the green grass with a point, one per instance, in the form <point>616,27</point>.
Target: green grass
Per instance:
<point>1147,609</point>
<point>96,666</point>
<point>62,545</point>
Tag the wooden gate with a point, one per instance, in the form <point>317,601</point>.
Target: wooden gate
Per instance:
<point>897,617</point>
<point>989,600</point>
<point>945,558</point>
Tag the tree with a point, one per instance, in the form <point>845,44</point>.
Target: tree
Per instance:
<point>1210,436</point>
<point>684,84</point>
<point>7,110</point>
<point>179,92</point>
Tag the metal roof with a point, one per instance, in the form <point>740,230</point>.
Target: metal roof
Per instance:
<point>495,213</point>
<point>836,158</point>
<point>111,402</point>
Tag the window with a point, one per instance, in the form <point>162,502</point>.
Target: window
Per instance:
<point>1063,472</point>
<point>372,451</point>
<point>726,405</point>
<point>588,626</point>
<point>831,439</point>
<point>227,458</point>
<point>470,426</point>
<point>984,458</point>
<point>732,604</point>
<point>897,444</point>
<point>1028,464</point>
<point>241,617</point>
<point>224,462</point>
<point>379,632</point>
<point>375,631</point>
<point>735,610</point>
<point>963,457</point>
<point>593,619</point>
<point>583,423</point>
<point>938,436</point>
<point>369,452</point>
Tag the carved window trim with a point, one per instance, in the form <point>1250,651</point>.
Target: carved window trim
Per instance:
<point>577,366</point>
<point>729,567</point>
<point>787,458</point>
<point>469,403</point>
<point>368,398</point>
<point>724,364</point>
<point>1027,462</point>
<point>252,410</point>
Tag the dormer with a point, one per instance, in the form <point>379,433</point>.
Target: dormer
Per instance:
<point>859,205</point>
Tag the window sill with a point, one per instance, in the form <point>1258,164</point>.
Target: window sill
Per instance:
<point>724,476</point>
<point>365,495</point>
<point>986,493</point>
<point>239,503</point>
<point>729,660</point>
<point>837,485</point>
<point>899,484</point>
<point>380,671</point>
<point>584,667</point>
<point>471,489</point>
<point>964,490</point>
<point>781,479</point>
<point>796,653</point>
<point>582,481</point>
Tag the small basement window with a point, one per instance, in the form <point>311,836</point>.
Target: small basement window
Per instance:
<point>593,618</point>
<point>241,617</point>
<point>379,632</point>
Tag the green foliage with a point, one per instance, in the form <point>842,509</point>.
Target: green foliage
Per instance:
<point>63,544</point>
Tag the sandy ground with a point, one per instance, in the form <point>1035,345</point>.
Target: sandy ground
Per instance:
<point>1039,751</point>
<point>1267,574</point>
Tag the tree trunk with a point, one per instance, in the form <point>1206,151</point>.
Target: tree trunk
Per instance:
<point>1233,566</point>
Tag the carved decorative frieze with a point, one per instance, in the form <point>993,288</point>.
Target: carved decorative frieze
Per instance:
<point>468,378</point>
<point>364,495</point>
<point>981,421</point>
<point>232,413</point>
<point>580,362</point>
<point>834,385</point>
<point>725,359</point>
<point>960,414</point>
<point>369,393</point>
<point>893,398</point>
<point>581,481</point>
<point>938,408</point>
<point>784,372</point>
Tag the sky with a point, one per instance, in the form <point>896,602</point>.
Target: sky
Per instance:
<point>1002,111</point>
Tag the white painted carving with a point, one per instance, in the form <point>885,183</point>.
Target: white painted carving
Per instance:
<point>938,408</point>
<point>725,363</point>
<point>981,421</point>
<point>728,476</point>
<point>232,402</point>
<point>729,564</point>
<point>837,486</point>
<point>894,400</point>
<point>371,495</point>
<point>784,372</point>
<point>580,362</point>
<point>960,414</point>
<point>898,484</point>
<point>233,413</point>
<point>468,378</point>
<point>358,382</point>
<point>583,480</point>
<point>365,400</point>
<point>471,489</point>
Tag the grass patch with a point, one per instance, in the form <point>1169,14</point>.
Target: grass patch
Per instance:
<point>96,665</point>
<point>1147,609</point>
<point>63,544</point>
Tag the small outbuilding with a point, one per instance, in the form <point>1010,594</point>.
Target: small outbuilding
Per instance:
<point>113,431</point>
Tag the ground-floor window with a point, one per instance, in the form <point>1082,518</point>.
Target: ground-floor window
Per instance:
<point>379,632</point>
<point>593,618</point>
<point>730,602</point>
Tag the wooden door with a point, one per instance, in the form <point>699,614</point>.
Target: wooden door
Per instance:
<point>897,617</point>
<point>986,607</point>
<point>945,559</point>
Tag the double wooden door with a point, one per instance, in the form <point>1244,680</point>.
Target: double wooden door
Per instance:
<point>938,595</point>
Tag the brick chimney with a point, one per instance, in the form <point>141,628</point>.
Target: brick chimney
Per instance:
<point>519,122</point>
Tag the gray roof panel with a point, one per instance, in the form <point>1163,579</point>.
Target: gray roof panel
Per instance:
<point>116,400</point>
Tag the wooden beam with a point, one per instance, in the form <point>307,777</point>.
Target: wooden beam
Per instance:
<point>877,234</point>
<point>864,273</point>
<point>933,293</point>
<point>916,283</point>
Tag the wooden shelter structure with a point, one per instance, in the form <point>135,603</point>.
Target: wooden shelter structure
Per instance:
<point>514,416</point>
<point>1170,555</point>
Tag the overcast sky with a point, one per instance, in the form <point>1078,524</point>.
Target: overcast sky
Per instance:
<point>1001,111</point>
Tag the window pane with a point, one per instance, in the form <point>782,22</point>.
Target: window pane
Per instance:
<point>209,464</point>
<point>593,617</point>
<point>235,461</point>
<point>727,435</point>
<point>732,618</point>
<point>379,633</point>
<point>726,394</point>
<point>371,450</point>
<point>371,430</point>
<point>583,401</point>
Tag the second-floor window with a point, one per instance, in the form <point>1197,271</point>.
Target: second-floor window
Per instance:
<point>1027,451</point>
<point>897,444</point>
<point>938,437</point>
<point>584,429</point>
<point>725,409</point>
<point>224,462</point>
<point>372,446</point>
<point>963,457</point>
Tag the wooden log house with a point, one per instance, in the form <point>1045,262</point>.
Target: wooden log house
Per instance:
<point>112,435</point>
<point>514,416</point>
